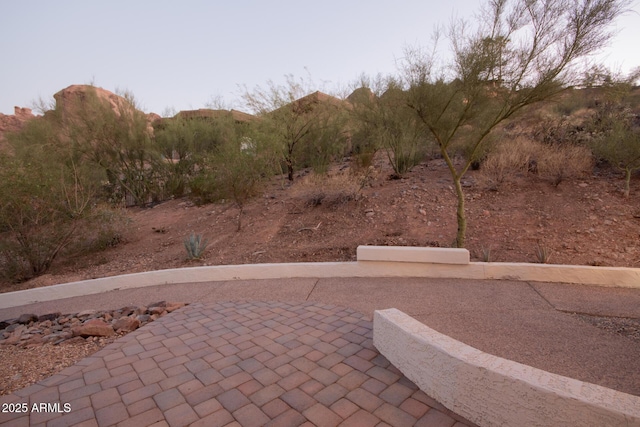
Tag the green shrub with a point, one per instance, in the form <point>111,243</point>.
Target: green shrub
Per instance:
<point>49,199</point>
<point>386,121</point>
<point>616,138</point>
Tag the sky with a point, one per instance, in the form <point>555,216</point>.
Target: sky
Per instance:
<point>176,56</point>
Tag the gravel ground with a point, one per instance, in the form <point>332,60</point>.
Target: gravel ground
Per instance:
<point>21,367</point>
<point>627,327</point>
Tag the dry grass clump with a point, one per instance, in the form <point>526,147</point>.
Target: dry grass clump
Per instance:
<point>507,159</point>
<point>560,162</point>
<point>330,189</point>
<point>555,162</point>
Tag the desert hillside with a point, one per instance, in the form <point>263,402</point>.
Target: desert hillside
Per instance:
<point>537,193</point>
<point>581,221</point>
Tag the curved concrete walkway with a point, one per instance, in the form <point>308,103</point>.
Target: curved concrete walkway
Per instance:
<point>527,322</point>
<point>237,363</point>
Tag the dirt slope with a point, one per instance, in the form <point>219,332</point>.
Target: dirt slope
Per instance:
<point>584,222</point>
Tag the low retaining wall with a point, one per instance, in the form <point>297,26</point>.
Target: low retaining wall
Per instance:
<point>581,274</point>
<point>491,391</point>
<point>399,262</point>
<point>454,263</point>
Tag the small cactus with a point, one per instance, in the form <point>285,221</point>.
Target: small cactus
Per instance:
<point>195,246</point>
<point>543,254</point>
<point>486,254</point>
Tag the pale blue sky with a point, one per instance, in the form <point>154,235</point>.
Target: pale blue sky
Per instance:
<point>179,54</point>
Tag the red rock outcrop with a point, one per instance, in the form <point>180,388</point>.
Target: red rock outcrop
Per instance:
<point>15,122</point>
<point>75,96</point>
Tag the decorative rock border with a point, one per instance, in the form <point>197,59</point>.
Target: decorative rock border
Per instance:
<point>31,330</point>
<point>492,391</point>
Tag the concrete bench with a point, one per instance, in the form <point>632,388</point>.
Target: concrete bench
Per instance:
<point>413,254</point>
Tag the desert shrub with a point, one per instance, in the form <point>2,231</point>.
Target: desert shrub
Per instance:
<point>570,102</point>
<point>615,132</point>
<point>116,139</point>
<point>620,146</point>
<point>364,143</point>
<point>559,162</point>
<point>543,253</point>
<point>236,168</point>
<point>204,186</point>
<point>506,159</point>
<point>49,196</point>
<point>183,142</point>
<point>404,141</point>
<point>301,122</point>
<point>555,162</point>
<point>36,219</point>
<point>324,145</point>
<point>362,160</point>
<point>561,129</point>
<point>13,267</point>
<point>485,253</point>
<point>331,189</point>
<point>105,228</point>
<point>25,254</point>
<point>239,175</point>
<point>385,120</point>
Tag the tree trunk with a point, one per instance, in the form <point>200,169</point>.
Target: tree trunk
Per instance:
<point>462,220</point>
<point>290,169</point>
<point>627,182</point>
<point>457,177</point>
<point>240,218</point>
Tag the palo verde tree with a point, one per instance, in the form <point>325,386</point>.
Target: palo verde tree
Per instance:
<point>293,116</point>
<point>183,142</point>
<point>382,115</point>
<point>522,52</point>
<point>48,194</point>
<point>237,166</point>
<point>116,137</point>
<point>614,129</point>
<point>34,220</point>
<point>326,141</point>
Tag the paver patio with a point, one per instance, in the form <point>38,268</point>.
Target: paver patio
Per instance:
<point>241,363</point>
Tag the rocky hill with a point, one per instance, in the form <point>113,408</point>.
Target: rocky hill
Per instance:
<point>65,100</point>
<point>15,122</point>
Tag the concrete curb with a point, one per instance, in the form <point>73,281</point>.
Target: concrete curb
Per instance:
<point>492,391</point>
<point>399,266</point>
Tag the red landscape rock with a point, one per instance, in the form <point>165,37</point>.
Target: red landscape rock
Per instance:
<point>126,324</point>
<point>93,327</point>
<point>172,306</point>
<point>156,310</point>
<point>57,328</point>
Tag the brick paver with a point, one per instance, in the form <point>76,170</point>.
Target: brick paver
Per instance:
<point>237,364</point>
